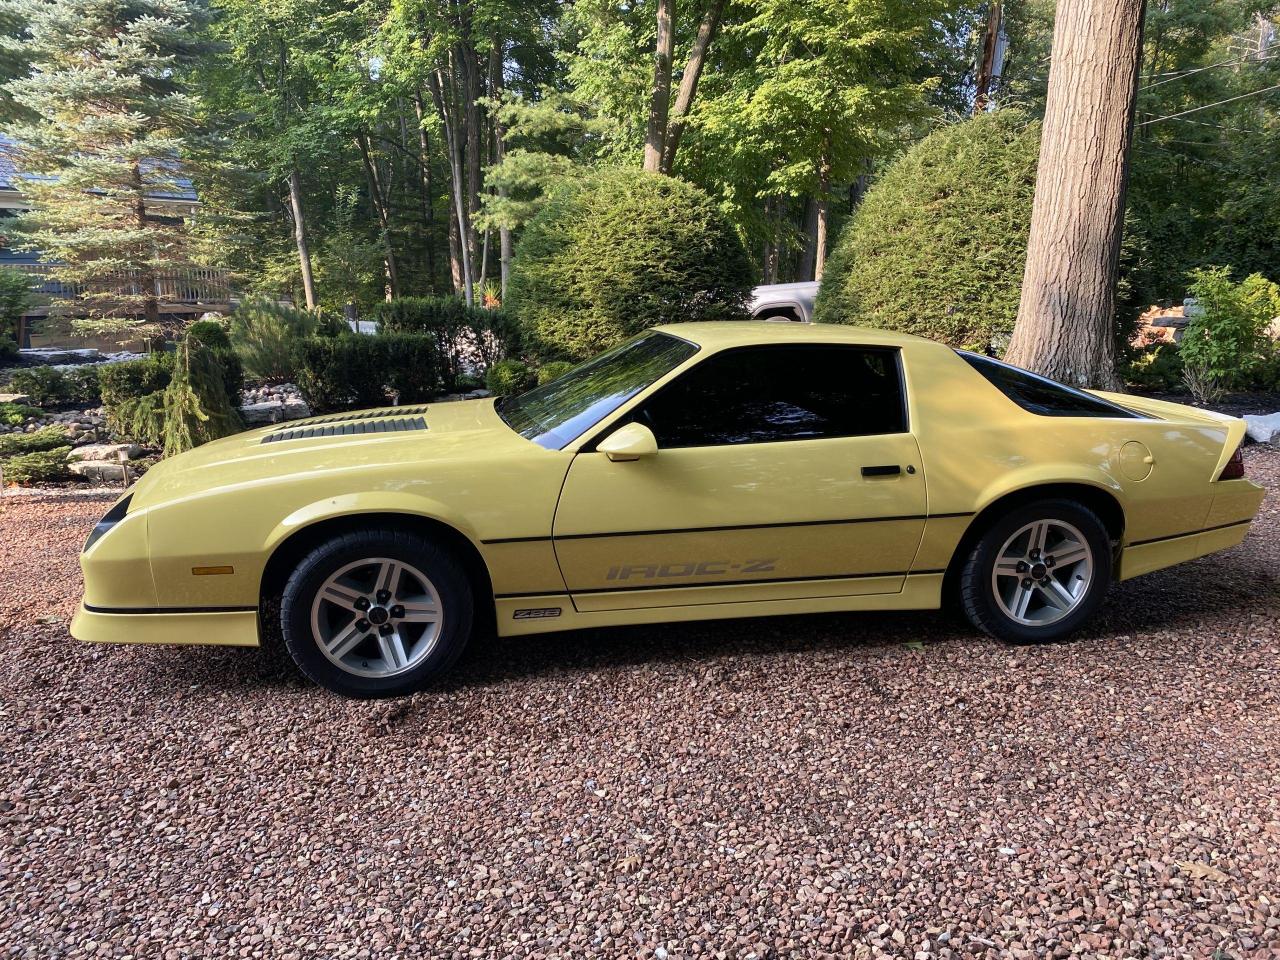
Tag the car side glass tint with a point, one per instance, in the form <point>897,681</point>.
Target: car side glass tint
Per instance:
<point>780,393</point>
<point>1040,395</point>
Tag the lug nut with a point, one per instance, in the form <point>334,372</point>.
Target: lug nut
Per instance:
<point>1035,554</point>
<point>362,624</point>
<point>397,611</point>
<point>1026,583</point>
<point>384,596</point>
<point>1022,566</point>
<point>362,603</point>
<point>1049,561</point>
<point>386,629</point>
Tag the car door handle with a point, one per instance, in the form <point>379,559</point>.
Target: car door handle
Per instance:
<point>883,470</point>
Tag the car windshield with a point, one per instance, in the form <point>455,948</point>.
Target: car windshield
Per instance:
<point>555,413</point>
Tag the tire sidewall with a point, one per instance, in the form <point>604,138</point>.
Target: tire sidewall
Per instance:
<point>446,575</point>
<point>996,621</point>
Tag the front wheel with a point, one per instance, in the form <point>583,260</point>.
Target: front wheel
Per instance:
<point>1038,572</point>
<point>378,613</point>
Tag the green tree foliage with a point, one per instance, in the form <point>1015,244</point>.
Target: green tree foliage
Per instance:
<point>196,407</point>
<point>1225,340</point>
<point>938,246</point>
<point>104,144</point>
<point>618,252</point>
<point>465,336</point>
<point>46,438</point>
<point>38,466</point>
<point>509,377</point>
<point>15,298</point>
<point>266,337</point>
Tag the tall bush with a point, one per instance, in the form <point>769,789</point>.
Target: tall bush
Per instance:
<point>938,245</point>
<point>15,298</point>
<point>349,372</point>
<point>1225,340</point>
<point>614,253</point>
<point>474,337</point>
<point>267,335</point>
<point>196,406</point>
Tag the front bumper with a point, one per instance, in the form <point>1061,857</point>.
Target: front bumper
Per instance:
<point>231,628</point>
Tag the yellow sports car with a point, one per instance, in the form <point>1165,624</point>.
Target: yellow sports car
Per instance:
<point>698,471</point>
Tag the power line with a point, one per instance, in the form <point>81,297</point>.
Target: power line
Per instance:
<point>1179,74</point>
<point>1174,116</point>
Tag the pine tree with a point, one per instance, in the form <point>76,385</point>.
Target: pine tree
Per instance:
<point>108,131</point>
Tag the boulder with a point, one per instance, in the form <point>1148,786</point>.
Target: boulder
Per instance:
<point>104,471</point>
<point>258,414</point>
<point>60,355</point>
<point>14,398</point>
<point>1262,428</point>
<point>106,451</point>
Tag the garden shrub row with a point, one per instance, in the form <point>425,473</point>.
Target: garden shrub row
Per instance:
<point>465,337</point>
<point>355,370</point>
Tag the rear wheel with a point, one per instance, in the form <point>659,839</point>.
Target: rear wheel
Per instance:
<point>1038,572</point>
<point>378,613</point>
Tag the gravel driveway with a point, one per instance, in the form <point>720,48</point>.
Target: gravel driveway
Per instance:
<point>816,786</point>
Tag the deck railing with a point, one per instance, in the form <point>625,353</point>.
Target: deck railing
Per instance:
<point>184,285</point>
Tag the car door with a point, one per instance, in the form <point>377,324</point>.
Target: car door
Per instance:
<point>782,472</point>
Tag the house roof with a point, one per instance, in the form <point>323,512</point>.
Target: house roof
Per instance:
<point>11,178</point>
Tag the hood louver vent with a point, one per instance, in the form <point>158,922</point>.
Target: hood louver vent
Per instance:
<point>360,415</point>
<point>348,426</point>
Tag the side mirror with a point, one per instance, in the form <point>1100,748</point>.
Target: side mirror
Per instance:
<point>631,442</point>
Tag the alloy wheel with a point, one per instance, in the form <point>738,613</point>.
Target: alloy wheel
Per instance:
<point>1042,573</point>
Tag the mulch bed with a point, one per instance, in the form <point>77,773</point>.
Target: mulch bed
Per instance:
<point>839,786</point>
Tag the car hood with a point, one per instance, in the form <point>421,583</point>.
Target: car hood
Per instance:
<point>336,443</point>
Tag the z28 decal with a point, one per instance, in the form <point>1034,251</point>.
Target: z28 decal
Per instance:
<point>689,568</point>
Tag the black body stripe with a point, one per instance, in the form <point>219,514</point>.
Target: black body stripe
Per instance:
<point>149,610</point>
<point>738,526</point>
<point>1190,533</point>
<point>630,588</point>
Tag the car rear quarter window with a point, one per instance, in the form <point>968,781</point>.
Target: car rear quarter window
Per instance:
<point>1040,395</point>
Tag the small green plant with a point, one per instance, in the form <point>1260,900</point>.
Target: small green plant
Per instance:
<point>16,414</point>
<point>1156,367</point>
<point>553,371</point>
<point>353,371</point>
<point>196,407</point>
<point>508,377</point>
<point>48,438</point>
<point>267,337</point>
<point>1225,339</point>
<point>83,384</point>
<point>210,333</point>
<point>44,386</point>
<point>125,385</point>
<point>39,466</point>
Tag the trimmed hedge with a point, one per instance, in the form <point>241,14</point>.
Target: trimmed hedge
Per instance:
<point>49,387</point>
<point>509,377</point>
<point>350,372</point>
<point>473,337</point>
<point>613,253</point>
<point>938,246</point>
<point>47,438</point>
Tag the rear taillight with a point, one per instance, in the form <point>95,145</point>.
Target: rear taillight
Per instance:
<point>1234,470</point>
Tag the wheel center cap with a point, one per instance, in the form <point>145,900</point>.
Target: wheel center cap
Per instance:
<point>1037,573</point>
<point>378,615</point>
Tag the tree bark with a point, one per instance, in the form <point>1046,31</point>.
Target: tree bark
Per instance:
<point>147,280</point>
<point>381,207</point>
<point>809,234</point>
<point>823,201</point>
<point>660,96</point>
<point>496,84</point>
<point>689,84</point>
<point>1065,316</point>
<point>427,206</point>
<point>300,236</point>
<point>982,89</point>
<point>439,90</point>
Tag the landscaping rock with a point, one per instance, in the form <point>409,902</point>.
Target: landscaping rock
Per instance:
<point>109,471</point>
<point>1262,429</point>
<point>107,451</point>
<point>59,355</point>
<point>14,398</point>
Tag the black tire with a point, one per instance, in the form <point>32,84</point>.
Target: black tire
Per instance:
<point>446,575</point>
<point>978,594</point>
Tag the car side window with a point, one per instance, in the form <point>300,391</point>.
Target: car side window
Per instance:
<point>779,393</point>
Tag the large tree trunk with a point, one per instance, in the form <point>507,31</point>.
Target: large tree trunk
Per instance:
<point>300,237</point>
<point>147,280</point>
<point>496,84</point>
<point>1064,327</point>
<point>809,241</point>
<point>660,95</point>
<point>824,210</point>
<point>689,84</point>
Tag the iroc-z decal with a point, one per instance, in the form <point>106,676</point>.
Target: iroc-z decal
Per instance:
<point>689,568</point>
<point>536,613</point>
